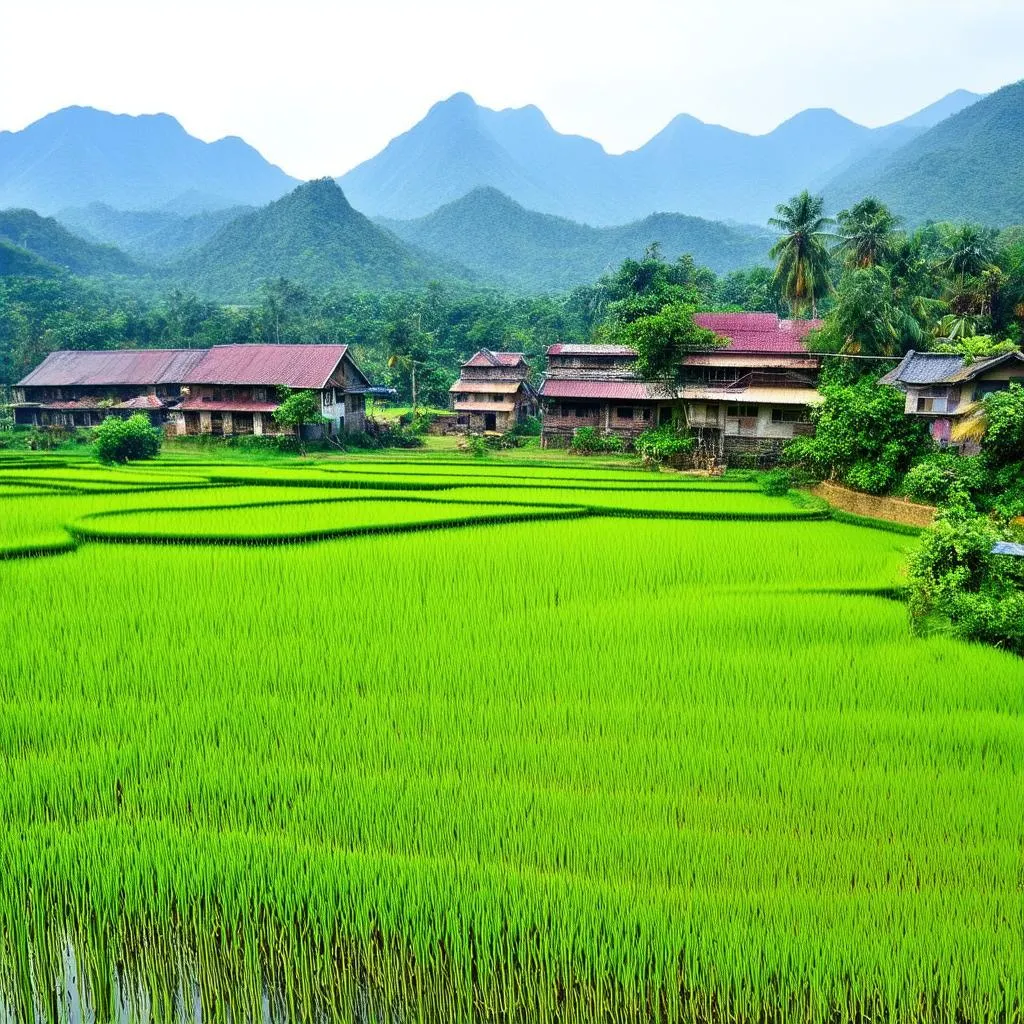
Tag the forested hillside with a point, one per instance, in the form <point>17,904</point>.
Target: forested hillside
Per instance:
<point>152,235</point>
<point>535,252</point>
<point>311,236</point>
<point>970,166</point>
<point>53,243</point>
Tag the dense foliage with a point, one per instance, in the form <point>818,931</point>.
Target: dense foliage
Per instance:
<point>862,436</point>
<point>955,574</point>
<point>126,440</point>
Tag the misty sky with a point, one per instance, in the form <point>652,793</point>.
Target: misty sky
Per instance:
<point>318,87</point>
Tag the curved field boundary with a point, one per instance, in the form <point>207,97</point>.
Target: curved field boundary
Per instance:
<point>37,550</point>
<point>869,522</point>
<point>270,539</point>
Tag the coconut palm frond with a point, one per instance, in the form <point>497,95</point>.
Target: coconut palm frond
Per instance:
<point>972,425</point>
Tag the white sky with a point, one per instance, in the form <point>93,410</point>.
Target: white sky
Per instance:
<point>318,86</point>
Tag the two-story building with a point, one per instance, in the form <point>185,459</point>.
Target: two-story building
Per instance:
<point>755,393</point>
<point>227,389</point>
<point>234,389</point>
<point>943,388</point>
<point>81,389</point>
<point>750,395</point>
<point>493,392</point>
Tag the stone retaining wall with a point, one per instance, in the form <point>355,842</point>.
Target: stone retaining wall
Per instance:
<point>895,510</point>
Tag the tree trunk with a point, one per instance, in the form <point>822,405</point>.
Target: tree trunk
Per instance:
<point>413,390</point>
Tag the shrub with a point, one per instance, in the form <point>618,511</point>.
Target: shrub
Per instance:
<point>529,427</point>
<point>777,483</point>
<point>663,444</point>
<point>954,574</point>
<point>862,436</point>
<point>590,441</point>
<point>129,440</point>
<point>936,477</point>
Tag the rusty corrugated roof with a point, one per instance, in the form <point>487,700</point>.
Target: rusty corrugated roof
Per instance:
<point>198,405</point>
<point>291,366</point>
<point>758,332</point>
<point>117,367</point>
<point>483,387</point>
<point>485,357</point>
<point>591,350</point>
<point>614,390</point>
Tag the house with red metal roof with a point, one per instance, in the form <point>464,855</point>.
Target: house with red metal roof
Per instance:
<point>493,392</point>
<point>227,389</point>
<point>235,389</point>
<point>746,398</point>
<point>81,389</point>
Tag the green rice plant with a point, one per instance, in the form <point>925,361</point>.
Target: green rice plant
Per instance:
<point>604,768</point>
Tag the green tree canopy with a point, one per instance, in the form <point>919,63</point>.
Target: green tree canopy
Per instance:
<point>866,234</point>
<point>803,264</point>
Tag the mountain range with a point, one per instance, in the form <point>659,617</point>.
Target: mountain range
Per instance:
<point>689,167</point>
<point>970,166</point>
<point>503,242</point>
<point>311,236</point>
<point>79,156</point>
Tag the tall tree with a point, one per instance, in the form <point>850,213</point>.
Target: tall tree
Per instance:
<point>866,234</point>
<point>967,251</point>
<point>801,254</point>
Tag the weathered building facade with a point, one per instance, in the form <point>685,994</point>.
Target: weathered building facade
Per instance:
<point>755,393</point>
<point>493,392</point>
<point>750,396</point>
<point>81,389</point>
<point>943,388</point>
<point>227,389</point>
<point>234,389</point>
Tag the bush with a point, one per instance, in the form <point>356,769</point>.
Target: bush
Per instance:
<point>862,436</point>
<point>590,441</point>
<point>129,440</point>
<point>936,477</point>
<point>529,427</point>
<point>777,483</point>
<point>663,444</point>
<point>954,574</point>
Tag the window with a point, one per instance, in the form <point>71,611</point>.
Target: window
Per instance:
<point>931,404</point>
<point>624,412</point>
<point>742,410</point>
<point>646,413</point>
<point>989,387</point>
<point>791,414</point>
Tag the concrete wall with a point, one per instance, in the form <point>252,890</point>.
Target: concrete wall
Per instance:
<point>896,510</point>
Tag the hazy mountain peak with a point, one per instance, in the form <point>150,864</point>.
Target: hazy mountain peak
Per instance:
<point>79,155</point>
<point>949,105</point>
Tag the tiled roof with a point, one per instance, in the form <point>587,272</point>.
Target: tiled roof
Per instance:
<point>293,366</point>
<point>591,350</point>
<point>485,357</point>
<point>483,387</point>
<point>922,368</point>
<point>198,405</point>
<point>758,332</point>
<point>114,368</point>
<point>608,389</point>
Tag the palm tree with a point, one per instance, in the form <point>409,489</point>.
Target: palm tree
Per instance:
<point>803,263</point>
<point>968,250</point>
<point>866,234</point>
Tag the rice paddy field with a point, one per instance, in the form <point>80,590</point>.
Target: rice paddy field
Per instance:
<point>423,739</point>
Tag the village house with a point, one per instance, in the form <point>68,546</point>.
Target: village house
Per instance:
<point>493,392</point>
<point>81,389</point>
<point>755,393</point>
<point>944,387</point>
<point>234,389</point>
<point>227,389</point>
<point>749,396</point>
